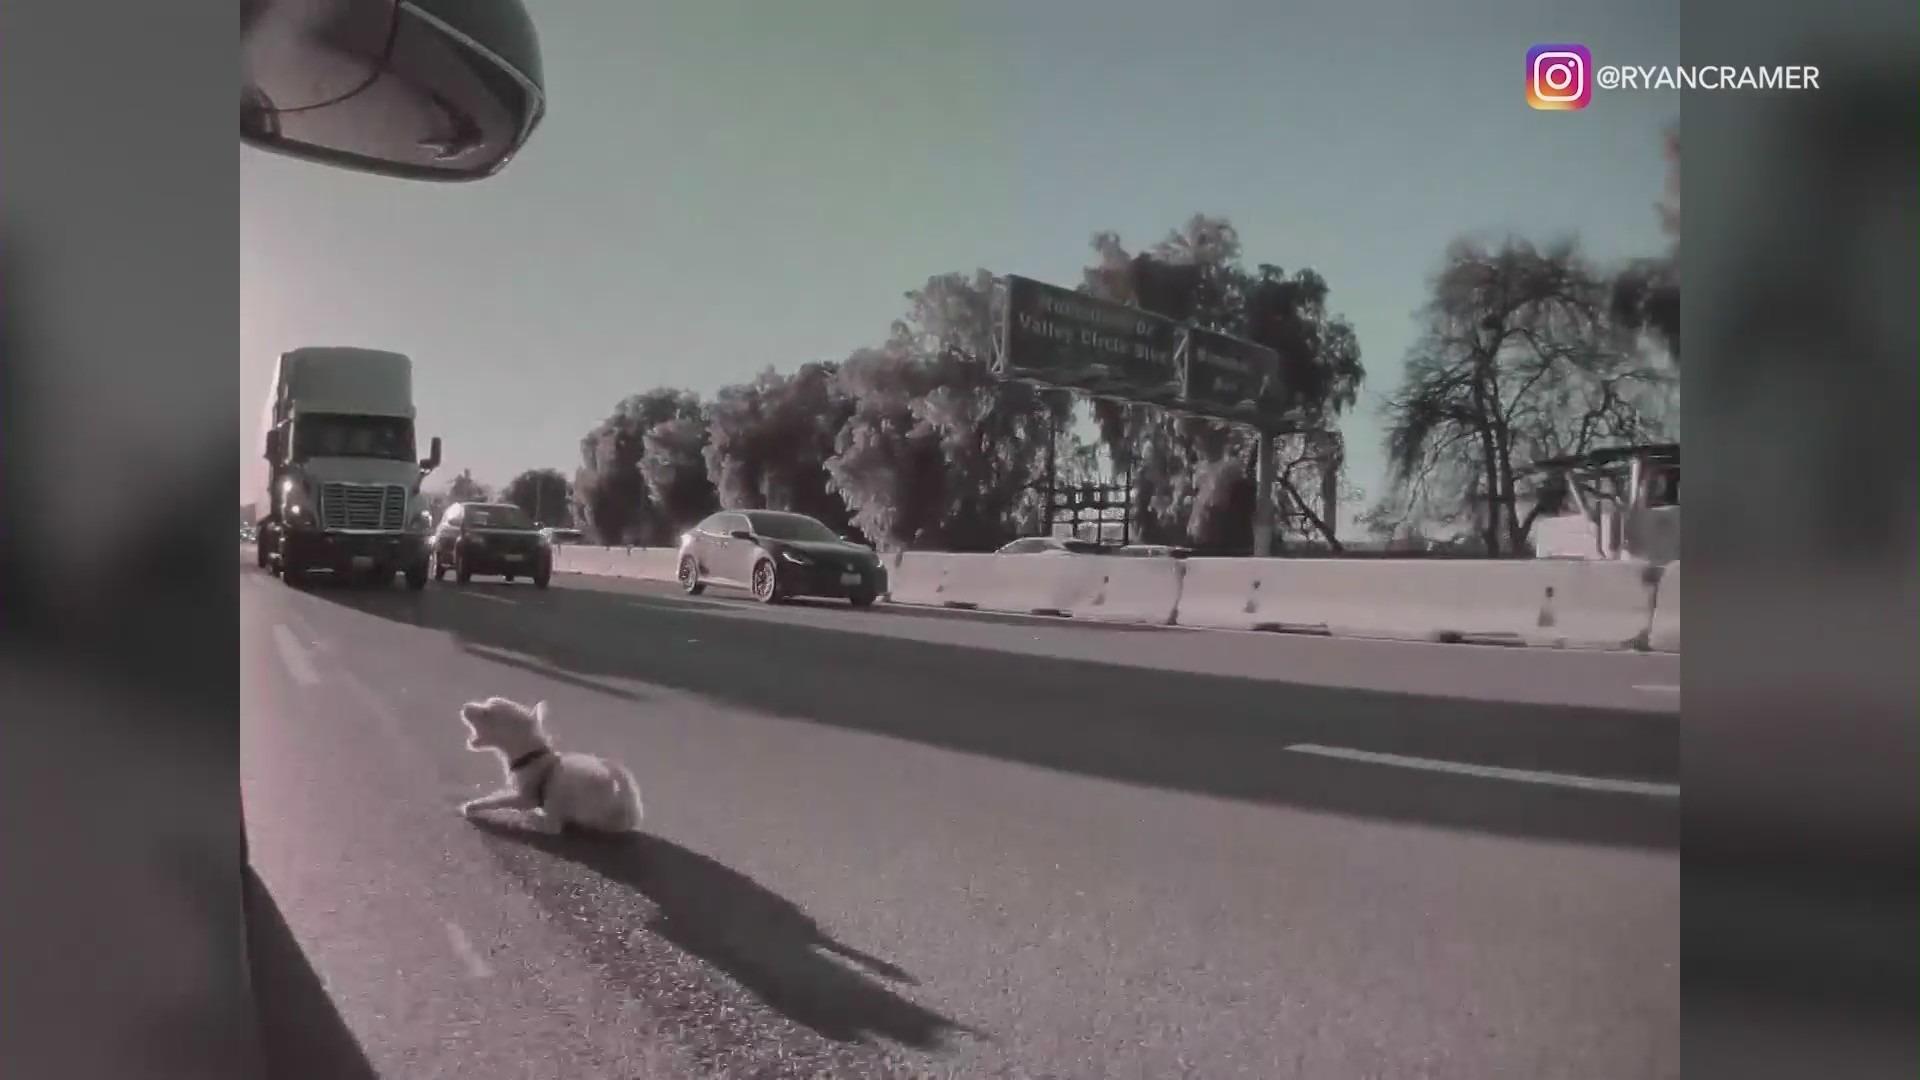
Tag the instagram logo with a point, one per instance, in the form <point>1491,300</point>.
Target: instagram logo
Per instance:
<point>1559,76</point>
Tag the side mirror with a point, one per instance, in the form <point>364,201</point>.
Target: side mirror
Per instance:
<point>415,89</point>
<point>741,534</point>
<point>432,460</point>
<point>273,445</point>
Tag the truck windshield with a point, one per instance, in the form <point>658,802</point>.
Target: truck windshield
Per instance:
<point>389,438</point>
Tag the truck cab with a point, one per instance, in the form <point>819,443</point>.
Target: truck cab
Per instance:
<point>344,472</point>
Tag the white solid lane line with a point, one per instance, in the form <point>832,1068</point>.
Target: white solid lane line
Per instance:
<point>293,656</point>
<point>469,956</point>
<point>490,596</point>
<point>1494,772</point>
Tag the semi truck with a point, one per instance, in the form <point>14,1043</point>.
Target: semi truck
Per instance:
<point>343,471</point>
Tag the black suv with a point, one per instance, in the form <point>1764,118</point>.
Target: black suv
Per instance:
<point>492,540</point>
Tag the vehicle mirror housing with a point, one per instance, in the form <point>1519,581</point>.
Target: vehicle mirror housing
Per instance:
<point>439,90</point>
<point>273,445</point>
<point>432,460</point>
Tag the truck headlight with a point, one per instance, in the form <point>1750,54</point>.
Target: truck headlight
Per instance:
<point>420,522</point>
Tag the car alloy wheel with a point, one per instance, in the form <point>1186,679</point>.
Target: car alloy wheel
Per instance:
<point>690,576</point>
<point>766,582</point>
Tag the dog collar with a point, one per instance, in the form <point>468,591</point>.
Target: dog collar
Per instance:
<point>527,759</point>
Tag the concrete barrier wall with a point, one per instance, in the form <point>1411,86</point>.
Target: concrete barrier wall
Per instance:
<point>920,577</point>
<point>1024,584</point>
<point>1231,594</point>
<point>1664,635</point>
<point>1552,603</point>
<point>1560,603</point>
<point>654,564</point>
<point>1132,591</point>
<point>1655,535</point>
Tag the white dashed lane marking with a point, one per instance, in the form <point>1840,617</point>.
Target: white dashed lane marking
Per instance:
<point>293,656</point>
<point>1494,772</point>
<point>470,957</point>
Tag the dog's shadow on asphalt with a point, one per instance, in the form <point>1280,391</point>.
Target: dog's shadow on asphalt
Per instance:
<point>760,939</point>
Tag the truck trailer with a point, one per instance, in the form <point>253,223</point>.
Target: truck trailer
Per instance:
<point>343,471</point>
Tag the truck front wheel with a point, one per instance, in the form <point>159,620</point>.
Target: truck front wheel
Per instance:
<point>417,576</point>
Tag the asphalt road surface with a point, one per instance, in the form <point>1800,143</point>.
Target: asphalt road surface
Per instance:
<point>899,843</point>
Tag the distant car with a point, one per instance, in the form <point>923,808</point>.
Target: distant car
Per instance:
<point>491,540</point>
<point>563,536</point>
<point>777,556</point>
<point>1154,551</point>
<point>1052,545</point>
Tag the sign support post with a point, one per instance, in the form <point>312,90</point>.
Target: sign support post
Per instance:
<point>1263,467</point>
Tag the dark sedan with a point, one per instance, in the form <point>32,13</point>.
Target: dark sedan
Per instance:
<point>777,556</point>
<point>492,540</point>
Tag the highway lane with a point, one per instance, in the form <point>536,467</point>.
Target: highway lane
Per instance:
<point>917,851</point>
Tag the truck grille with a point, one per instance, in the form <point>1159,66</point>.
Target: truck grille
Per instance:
<point>363,506</point>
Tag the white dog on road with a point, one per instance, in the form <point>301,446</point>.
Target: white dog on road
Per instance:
<point>553,789</point>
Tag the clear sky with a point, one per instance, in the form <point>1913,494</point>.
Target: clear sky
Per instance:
<point>721,185</point>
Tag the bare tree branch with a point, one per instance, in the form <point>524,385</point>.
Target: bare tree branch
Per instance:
<point>1519,363</point>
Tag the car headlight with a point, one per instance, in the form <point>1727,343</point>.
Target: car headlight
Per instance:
<point>795,558</point>
<point>293,496</point>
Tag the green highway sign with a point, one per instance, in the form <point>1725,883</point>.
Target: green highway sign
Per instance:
<point>1229,377</point>
<point>1067,339</point>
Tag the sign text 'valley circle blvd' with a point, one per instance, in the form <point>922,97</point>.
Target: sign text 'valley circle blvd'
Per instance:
<point>1062,338</point>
